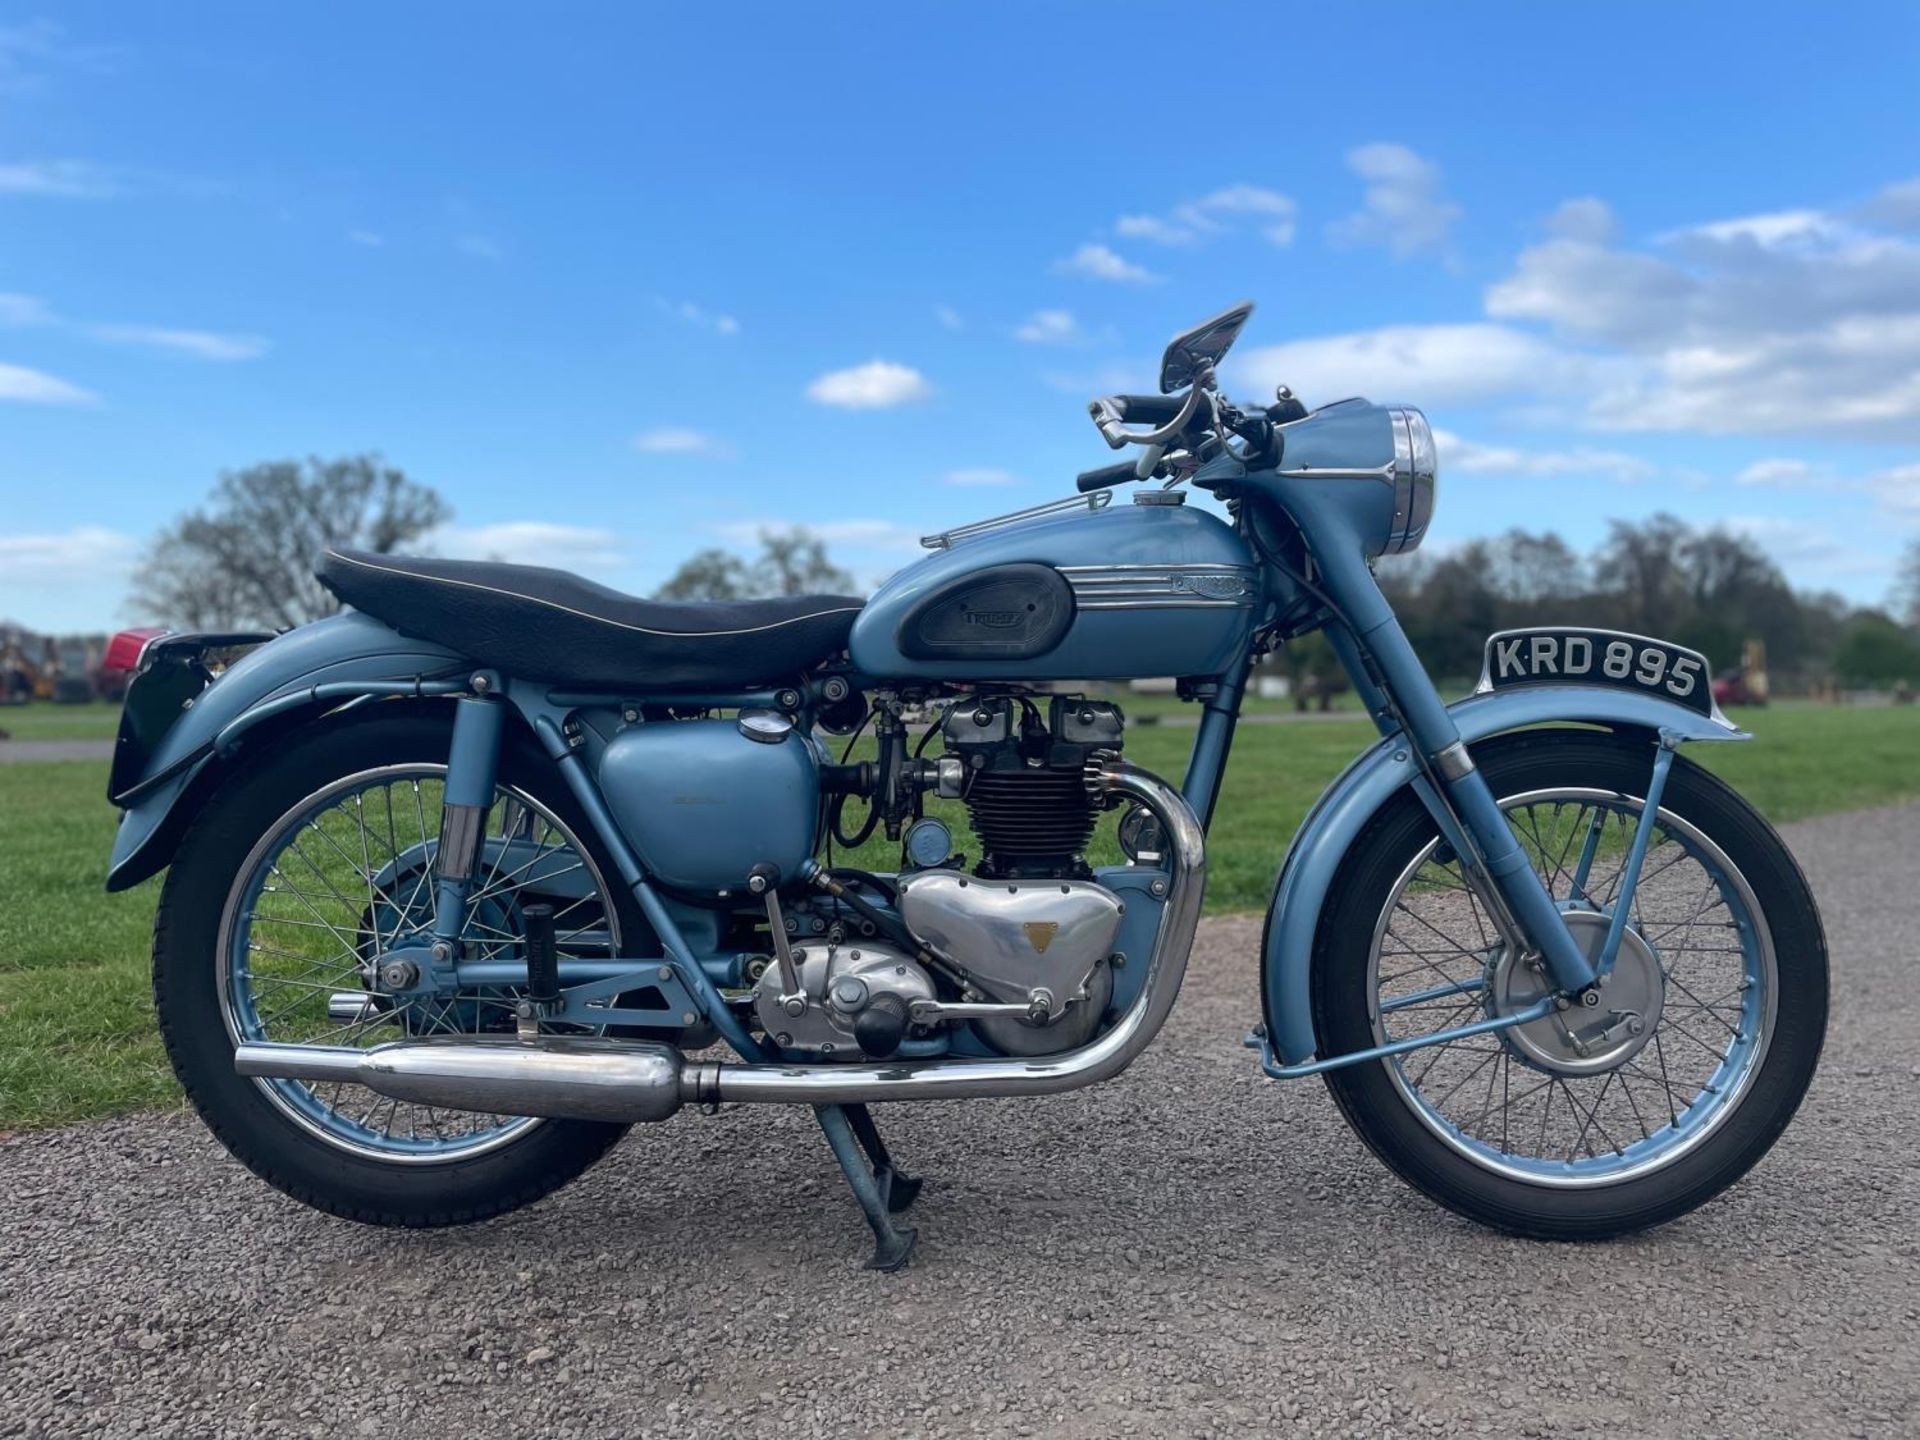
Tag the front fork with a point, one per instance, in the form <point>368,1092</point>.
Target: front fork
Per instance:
<point>1497,868</point>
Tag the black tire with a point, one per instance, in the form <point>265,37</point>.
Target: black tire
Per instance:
<point>1387,1121</point>
<point>186,994</point>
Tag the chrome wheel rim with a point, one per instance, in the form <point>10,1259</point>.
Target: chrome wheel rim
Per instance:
<point>1491,1099</point>
<point>344,879</point>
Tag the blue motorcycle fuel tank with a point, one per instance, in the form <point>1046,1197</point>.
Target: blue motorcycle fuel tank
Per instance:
<point>1124,593</point>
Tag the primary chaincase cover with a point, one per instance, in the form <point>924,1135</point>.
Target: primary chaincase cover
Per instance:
<point>1123,593</point>
<point>703,803</point>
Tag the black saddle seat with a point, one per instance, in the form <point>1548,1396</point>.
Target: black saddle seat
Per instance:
<point>549,625</point>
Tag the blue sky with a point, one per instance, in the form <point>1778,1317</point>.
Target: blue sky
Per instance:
<point>623,281</point>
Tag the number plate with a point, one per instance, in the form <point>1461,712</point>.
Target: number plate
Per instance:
<point>1563,655</point>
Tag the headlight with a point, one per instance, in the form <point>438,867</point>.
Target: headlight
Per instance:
<point>1416,475</point>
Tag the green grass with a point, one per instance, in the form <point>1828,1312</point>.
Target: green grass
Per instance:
<point>42,720</point>
<point>77,1036</point>
<point>76,1026</point>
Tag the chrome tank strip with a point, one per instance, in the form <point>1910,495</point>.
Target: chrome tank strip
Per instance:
<point>836,1084</point>
<point>1161,587</point>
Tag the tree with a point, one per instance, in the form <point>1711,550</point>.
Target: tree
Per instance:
<point>1531,570</point>
<point>1906,585</point>
<point>791,562</point>
<point>1643,569</point>
<point>245,560</point>
<point>1876,651</point>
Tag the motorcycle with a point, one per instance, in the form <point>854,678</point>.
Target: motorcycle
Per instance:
<point>472,876</point>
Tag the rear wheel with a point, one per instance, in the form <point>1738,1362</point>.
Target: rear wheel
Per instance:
<point>1593,1121</point>
<point>289,916</point>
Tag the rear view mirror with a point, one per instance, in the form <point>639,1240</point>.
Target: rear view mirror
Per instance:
<point>1201,347</point>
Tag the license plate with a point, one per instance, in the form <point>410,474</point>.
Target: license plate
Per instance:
<point>1565,655</point>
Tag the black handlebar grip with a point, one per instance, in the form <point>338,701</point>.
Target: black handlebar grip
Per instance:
<point>1106,476</point>
<point>1148,409</point>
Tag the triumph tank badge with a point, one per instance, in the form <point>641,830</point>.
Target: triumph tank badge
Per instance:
<point>1041,933</point>
<point>1218,587</point>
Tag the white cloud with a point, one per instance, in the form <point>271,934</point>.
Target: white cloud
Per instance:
<point>1277,212</point>
<point>1050,327</point>
<point>77,556</point>
<point>1194,220</point>
<point>1095,261</point>
<point>200,344</point>
<point>1796,320</point>
<point>1403,209</point>
<point>980,475</point>
<point>1154,228</point>
<point>1781,228</point>
<point>1471,458</point>
<point>697,315</point>
<point>1429,364</point>
<point>1805,550</point>
<point>533,542</point>
<point>1784,474</point>
<point>1897,206</point>
<point>1585,218</point>
<point>678,440</point>
<point>949,317</point>
<point>57,179</point>
<point>372,239</point>
<point>1898,489</point>
<point>36,387</point>
<point>22,310</point>
<point>480,247</point>
<point>876,385</point>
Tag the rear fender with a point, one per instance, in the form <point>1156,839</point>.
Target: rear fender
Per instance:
<point>265,692</point>
<point>1320,848</point>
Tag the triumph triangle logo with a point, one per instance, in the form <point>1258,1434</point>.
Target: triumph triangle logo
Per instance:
<point>1041,933</point>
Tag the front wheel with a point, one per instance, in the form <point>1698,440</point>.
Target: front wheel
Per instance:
<point>1596,1121</point>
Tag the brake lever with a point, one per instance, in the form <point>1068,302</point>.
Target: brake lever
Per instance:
<point>1107,421</point>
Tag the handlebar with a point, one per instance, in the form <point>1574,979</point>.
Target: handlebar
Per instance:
<point>1169,413</point>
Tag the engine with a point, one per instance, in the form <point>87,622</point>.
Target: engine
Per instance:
<point>1021,949</point>
<point>1025,779</point>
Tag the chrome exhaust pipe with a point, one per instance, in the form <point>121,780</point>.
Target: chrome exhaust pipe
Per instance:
<point>860,1084</point>
<point>560,1077</point>
<point>600,1078</point>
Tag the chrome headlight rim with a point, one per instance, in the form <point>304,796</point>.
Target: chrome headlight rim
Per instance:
<point>1416,478</point>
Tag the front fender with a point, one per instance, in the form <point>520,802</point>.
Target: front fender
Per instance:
<point>348,647</point>
<point>1335,822</point>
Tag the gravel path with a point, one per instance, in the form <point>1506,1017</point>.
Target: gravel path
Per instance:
<point>1190,1250</point>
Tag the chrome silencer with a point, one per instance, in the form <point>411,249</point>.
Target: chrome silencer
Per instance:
<point>561,1077</point>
